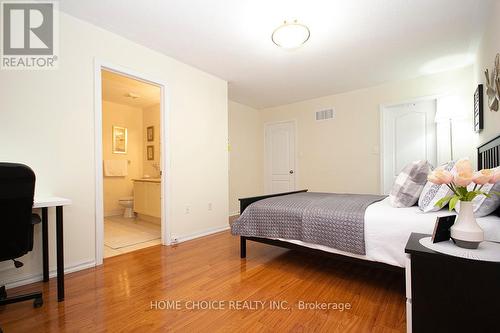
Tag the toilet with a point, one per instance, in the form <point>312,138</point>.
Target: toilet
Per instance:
<point>128,204</point>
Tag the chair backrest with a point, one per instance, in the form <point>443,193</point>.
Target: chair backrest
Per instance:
<point>17,188</point>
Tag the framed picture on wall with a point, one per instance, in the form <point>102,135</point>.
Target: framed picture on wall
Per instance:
<point>151,133</point>
<point>478,109</point>
<point>119,140</point>
<point>151,153</point>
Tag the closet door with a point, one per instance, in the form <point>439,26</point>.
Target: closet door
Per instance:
<point>280,172</point>
<point>409,134</point>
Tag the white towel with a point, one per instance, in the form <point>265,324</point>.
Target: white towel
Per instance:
<point>115,168</point>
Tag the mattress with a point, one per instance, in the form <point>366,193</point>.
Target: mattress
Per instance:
<point>387,230</point>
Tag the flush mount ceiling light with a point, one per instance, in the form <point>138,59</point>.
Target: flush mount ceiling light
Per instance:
<point>290,35</point>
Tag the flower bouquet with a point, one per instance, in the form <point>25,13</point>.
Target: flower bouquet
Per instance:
<point>465,232</point>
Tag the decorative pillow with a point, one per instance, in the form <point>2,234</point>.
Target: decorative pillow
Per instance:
<point>432,193</point>
<point>409,184</point>
<point>483,206</point>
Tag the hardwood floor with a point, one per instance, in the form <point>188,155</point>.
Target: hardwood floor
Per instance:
<point>118,296</point>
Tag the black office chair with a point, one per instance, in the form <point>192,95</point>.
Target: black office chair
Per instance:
<point>17,188</point>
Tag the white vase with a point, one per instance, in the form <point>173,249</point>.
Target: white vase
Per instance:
<point>465,231</point>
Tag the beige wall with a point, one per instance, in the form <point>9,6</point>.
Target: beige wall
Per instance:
<point>151,117</point>
<point>114,114</point>
<point>246,159</point>
<point>488,48</point>
<point>47,122</point>
<point>342,155</point>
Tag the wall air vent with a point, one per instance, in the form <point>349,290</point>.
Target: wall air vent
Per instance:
<point>326,114</point>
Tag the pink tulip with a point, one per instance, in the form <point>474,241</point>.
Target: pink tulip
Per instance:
<point>463,179</point>
<point>496,177</point>
<point>482,177</point>
<point>464,166</point>
<point>440,176</point>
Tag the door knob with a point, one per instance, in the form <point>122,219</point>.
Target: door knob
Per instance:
<point>291,171</point>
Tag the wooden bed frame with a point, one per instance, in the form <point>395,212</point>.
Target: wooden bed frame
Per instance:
<point>488,156</point>
<point>245,202</point>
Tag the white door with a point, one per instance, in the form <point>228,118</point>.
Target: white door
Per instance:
<point>280,170</point>
<point>409,134</point>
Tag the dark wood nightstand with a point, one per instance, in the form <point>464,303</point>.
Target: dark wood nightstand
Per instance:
<point>450,294</point>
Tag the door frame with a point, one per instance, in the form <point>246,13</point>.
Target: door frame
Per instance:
<point>382,111</point>
<point>164,158</point>
<point>295,158</point>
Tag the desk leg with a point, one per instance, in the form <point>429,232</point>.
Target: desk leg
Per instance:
<point>45,243</point>
<point>60,253</point>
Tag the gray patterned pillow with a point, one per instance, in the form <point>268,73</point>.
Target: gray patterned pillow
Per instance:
<point>432,193</point>
<point>489,205</point>
<point>409,184</point>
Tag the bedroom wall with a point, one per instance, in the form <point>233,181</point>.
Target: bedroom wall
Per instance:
<point>245,154</point>
<point>342,155</point>
<point>53,132</point>
<point>488,48</point>
<point>114,114</point>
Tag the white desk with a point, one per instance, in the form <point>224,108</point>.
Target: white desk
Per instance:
<point>45,203</point>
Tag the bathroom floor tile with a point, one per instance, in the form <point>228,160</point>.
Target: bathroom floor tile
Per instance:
<point>140,246</point>
<point>122,235</point>
<point>109,252</point>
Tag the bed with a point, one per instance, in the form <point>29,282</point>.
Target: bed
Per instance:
<point>386,229</point>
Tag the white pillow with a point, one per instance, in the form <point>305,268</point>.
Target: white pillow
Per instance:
<point>432,193</point>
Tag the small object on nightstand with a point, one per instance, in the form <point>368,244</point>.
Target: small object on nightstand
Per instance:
<point>442,228</point>
<point>465,232</point>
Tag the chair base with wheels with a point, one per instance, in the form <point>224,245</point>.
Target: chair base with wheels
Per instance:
<point>36,297</point>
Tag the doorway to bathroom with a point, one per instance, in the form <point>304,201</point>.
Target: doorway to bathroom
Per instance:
<point>129,209</point>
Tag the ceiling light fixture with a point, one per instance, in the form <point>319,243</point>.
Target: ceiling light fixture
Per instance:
<point>290,35</point>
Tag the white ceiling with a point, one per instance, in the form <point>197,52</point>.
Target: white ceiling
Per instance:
<point>116,88</point>
<point>354,44</point>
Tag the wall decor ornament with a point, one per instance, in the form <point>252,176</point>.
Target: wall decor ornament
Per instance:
<point>150,133</point>
<point>150,153</point>
<point>478,109</point>
<point>119,140</point>
<point>493,85</point>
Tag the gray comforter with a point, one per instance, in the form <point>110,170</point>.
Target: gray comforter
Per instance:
<point>333,220</point>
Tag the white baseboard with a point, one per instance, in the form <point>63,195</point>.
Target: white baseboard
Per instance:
<point>52,273</point>
<point>180,239</point>
<point>113,213</point>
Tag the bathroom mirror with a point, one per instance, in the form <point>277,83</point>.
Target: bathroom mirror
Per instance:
<point>119,140</point>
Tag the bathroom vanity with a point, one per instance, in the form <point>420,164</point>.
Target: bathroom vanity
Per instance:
<point>147,196</point>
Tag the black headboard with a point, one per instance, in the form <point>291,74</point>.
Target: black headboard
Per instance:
<point>488,154</point>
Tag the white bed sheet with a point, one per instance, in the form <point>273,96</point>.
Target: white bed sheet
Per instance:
<point>387,230</point>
